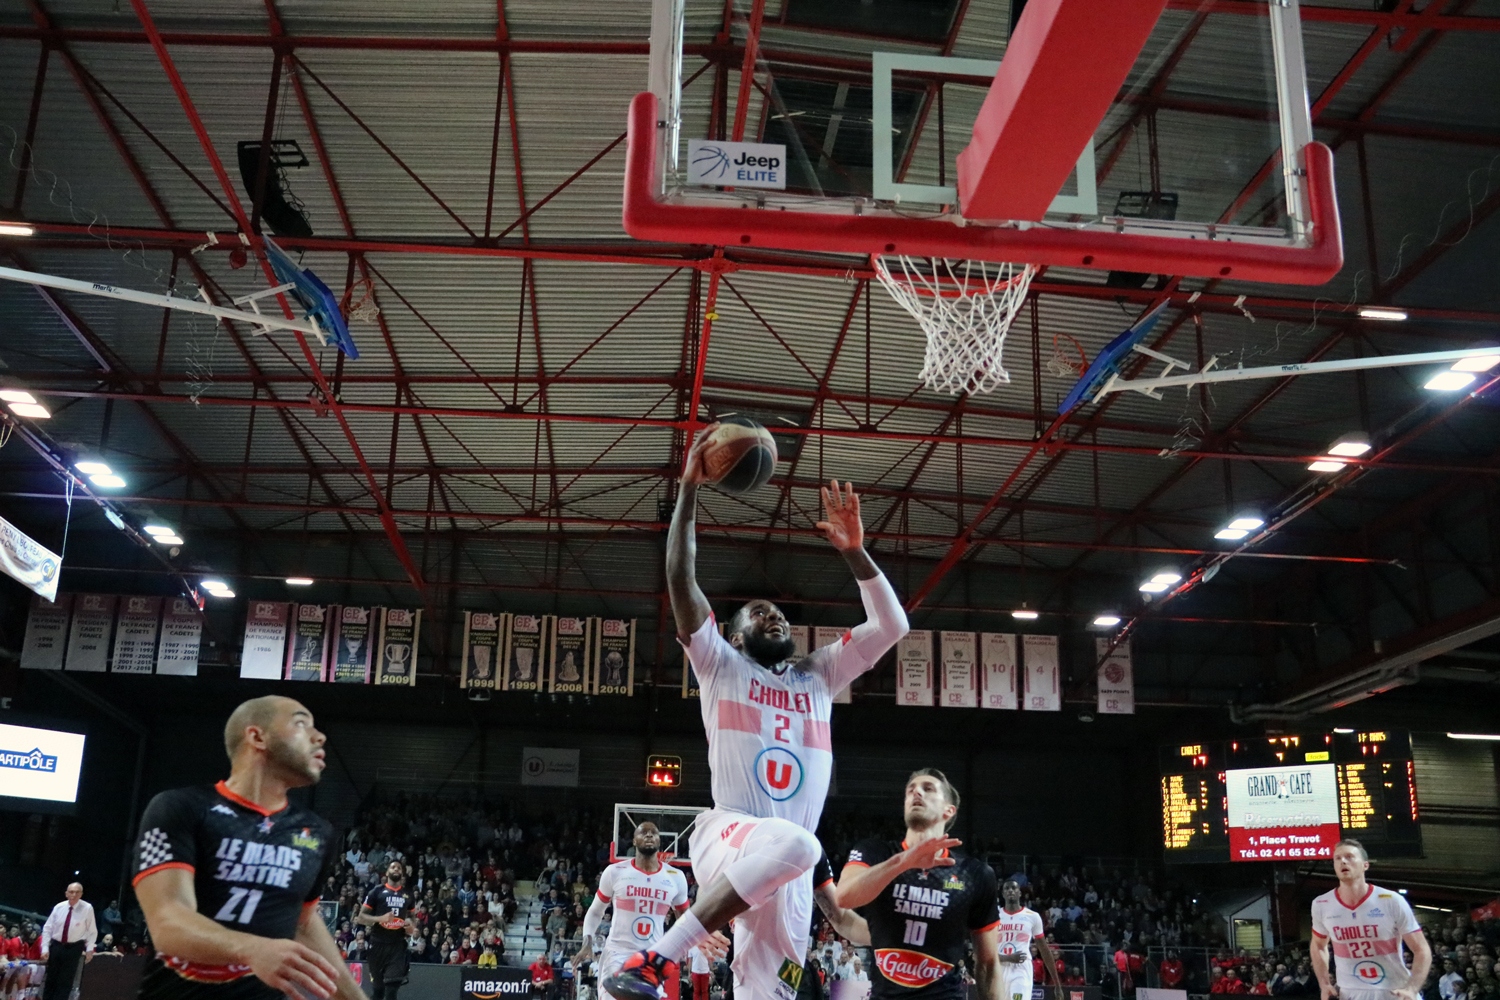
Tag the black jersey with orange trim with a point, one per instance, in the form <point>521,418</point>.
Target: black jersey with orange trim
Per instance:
<point>921,922</point>
<point>388,902</point>
<point>253,871</point>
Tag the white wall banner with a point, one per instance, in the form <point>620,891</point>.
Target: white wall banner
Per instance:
<point>801,640</point>
<point>396,649</point>
<point>88,638</point>
<point>1116,678</point>
<point>135,635</point>
<point>614,656</point>
<point>568,666</point>
<point>999,679</point>
<point>914,668</point>
<point>1043,686</point>
<point>353,645</point>
<point>307,657</point>
<point>525,657</point>
<point>549,766</point>
<point>482,634</point>
<point>265,640</point>
<point>181,634</point>
<point>960,688</point>
<point>827,635</point>
<point>27,560</point>
<point>40,763</point>
<point>46,633</point>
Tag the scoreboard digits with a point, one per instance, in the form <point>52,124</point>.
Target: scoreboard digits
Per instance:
<point>1375,780</point>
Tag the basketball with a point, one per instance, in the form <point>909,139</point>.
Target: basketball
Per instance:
<point>740,455</point>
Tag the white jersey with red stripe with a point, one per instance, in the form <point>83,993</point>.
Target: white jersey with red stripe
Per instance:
<point>1366,938</point>
<point>769,748</point>
<point>1016,931</point>
<point>642,901</point>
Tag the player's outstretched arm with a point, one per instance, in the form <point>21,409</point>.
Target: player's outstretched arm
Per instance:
<point>170,903</point>
<point>689,607</point>
<point>313,934</point>
<point>849,925</point>
<point>860,884</point>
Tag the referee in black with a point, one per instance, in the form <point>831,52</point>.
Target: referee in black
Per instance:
<point>923,903</point>
<point>385,912</point>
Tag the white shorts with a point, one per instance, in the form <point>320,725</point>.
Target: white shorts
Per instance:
<point>770,940</point>
<point>1350,993</point>
<point>1015,981</point>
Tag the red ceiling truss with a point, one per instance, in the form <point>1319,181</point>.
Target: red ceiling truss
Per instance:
<point>986,511</point>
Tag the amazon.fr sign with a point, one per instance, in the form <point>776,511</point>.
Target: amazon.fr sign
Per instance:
<point>712,163</point>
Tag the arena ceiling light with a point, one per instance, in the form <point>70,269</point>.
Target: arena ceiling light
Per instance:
<point>1382,314</point>
<point>1349,446</point>
<point>1477,363</point>
<point>1327,465</point>
<point>1024,614</point>
<point>24,404</point>
<point>16,229</point>
<point>1239,528</point>
<point>1449,381</point>
<point>1161,582</point>
<point>168,540</point>
<point>1106,620</point>
<point>299,581</point>
<point>1344,732</point>
<point>1475,736</point>
<point>158,529</point>
<point>218,588</point>
<point>91,468</point>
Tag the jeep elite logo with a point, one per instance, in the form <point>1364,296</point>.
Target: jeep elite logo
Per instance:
<point>33,761</point>
<point>911,969</point>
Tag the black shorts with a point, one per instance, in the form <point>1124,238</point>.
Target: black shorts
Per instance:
<point>388,963</point>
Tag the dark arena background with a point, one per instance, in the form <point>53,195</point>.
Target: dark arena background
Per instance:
<point>444,530</point>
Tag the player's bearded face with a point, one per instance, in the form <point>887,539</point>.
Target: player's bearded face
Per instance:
<point>647,842</point>
<point>765,636</point>
<point>295,747</point>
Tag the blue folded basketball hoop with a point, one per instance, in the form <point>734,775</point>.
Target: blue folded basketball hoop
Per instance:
<point>1109,360</point>
<point>314,297</point>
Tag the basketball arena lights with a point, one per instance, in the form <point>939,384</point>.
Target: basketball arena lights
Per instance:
<point>24,404</point>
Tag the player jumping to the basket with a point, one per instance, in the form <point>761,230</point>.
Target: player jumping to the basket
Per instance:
<point>767,718</point>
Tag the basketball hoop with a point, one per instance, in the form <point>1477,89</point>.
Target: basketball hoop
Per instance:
<point>966,308</point>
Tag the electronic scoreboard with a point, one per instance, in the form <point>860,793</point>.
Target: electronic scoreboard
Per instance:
<point>1289,798</point>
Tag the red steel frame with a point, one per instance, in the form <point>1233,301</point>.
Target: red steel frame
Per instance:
<point>1409,33</point>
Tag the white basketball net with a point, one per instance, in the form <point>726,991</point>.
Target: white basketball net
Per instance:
<point>966,308</point>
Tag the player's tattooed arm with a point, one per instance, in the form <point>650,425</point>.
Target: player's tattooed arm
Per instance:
<point>987,964</point>
<point>849,925</point>
<point>689,607</point>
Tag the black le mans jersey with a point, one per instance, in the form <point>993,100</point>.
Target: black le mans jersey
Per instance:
<point>920,923</point>
<point>389,903</point>
<point>252,872</point>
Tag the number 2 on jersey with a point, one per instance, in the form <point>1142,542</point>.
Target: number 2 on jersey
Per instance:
<point>783,725</point>
<point>251,898</point>
<point>916,933</point>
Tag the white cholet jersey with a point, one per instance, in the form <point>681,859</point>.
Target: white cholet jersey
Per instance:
<point>642,901</point>
<point>769,747</point>
<point>1366,938</point>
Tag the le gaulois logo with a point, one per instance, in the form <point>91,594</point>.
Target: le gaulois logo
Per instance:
<point>910,968</point>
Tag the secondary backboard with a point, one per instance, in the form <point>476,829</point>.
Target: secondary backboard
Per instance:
<point>675,823</point>
<point>1135,137</point>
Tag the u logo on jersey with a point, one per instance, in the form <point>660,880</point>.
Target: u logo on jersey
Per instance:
<point>1370,973</point>
<point>779,773</point>
<point>643,928</point>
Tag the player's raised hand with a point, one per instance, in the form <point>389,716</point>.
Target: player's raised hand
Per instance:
<point>929,854</point>
<point>292,968</point>
<point>693,472</point>
<point>841,524</point>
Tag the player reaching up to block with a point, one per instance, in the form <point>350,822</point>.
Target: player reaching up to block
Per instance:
<point>770,756</point>
<point>1366,925</point>
<point>923,903</point>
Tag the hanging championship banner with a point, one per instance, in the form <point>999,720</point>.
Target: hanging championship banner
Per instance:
<point>265,640</point>
<point>46,633</point>
<point>997,657</point>
<point>181,634</point>
<point>827,635</point>
<point>483,631</point>
<point>914,668</point>
<point>1043,689</point>
<point>1116,678</point>
<point>568,662</point>
<point>524,661</point>
<point>88,637</point>
<point>614,656</point>
<point>28,561</point>
<point>135,635</point>
<point>396,646</point>
<point>960,687</point>
<point>801,640</point>
<point>307,655</point>
<point>352,644</point>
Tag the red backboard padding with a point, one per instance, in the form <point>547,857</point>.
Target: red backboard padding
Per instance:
<point>1063,66</point>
